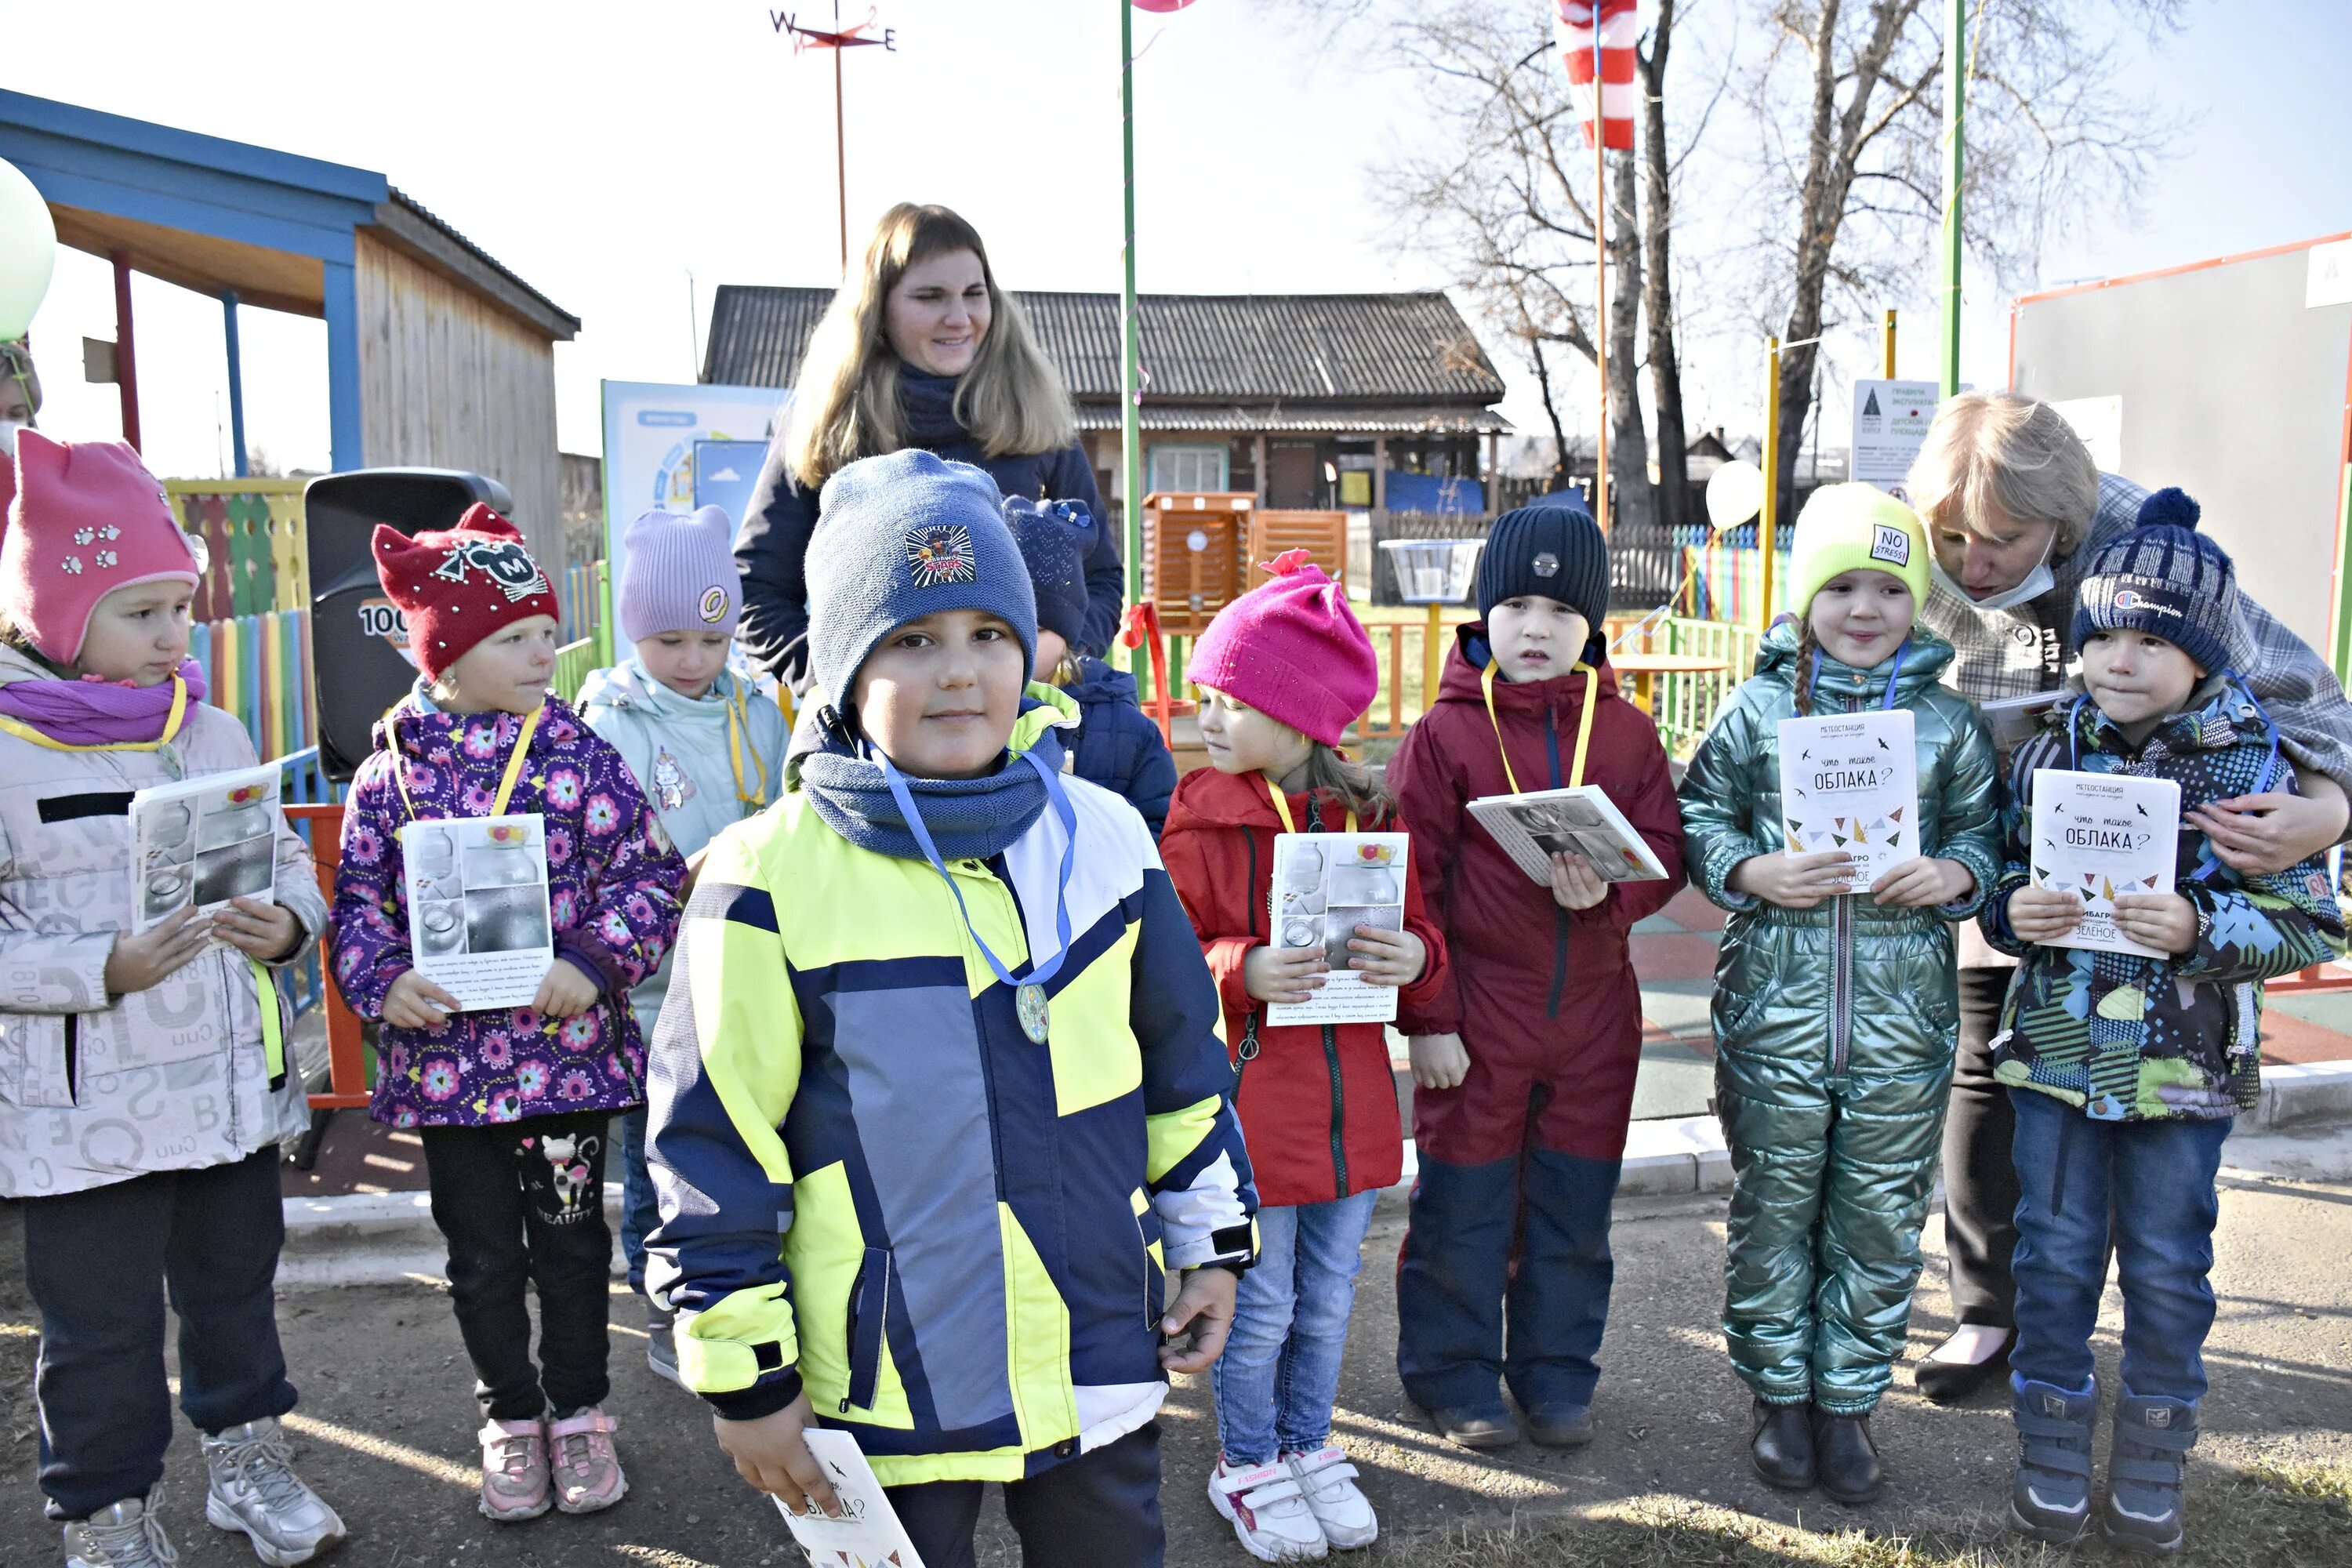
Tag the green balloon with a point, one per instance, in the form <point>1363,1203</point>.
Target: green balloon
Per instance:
<point>28,251</point>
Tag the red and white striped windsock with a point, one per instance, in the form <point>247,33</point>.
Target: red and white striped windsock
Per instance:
<point>1620,28</point>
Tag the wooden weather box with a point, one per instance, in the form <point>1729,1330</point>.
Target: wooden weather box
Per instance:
<point>1322,534</point>
<point>1193,544</point>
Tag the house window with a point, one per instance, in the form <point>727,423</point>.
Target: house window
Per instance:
<point>1188,468</point>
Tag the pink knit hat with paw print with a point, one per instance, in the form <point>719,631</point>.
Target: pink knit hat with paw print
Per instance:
<point>1292,649</point>
<point>88,519</point>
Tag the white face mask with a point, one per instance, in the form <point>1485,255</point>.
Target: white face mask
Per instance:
<point>9,428</point>
<point>2037,581</point>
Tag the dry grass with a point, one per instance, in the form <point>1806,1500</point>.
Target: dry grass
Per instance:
<point>2288,1516</point>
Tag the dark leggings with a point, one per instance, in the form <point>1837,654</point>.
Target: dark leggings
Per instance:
<point>1980,1178</point>
<point>523,1203</point>
<point>1097,1511</point>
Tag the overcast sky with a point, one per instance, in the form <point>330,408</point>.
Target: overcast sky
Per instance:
<point>605,152</point>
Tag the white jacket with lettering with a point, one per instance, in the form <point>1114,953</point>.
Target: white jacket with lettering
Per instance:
<point>96,1089</point>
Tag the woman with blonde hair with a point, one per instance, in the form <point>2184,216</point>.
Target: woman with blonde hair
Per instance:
<point>2015,510</point>
<point>920,347</point>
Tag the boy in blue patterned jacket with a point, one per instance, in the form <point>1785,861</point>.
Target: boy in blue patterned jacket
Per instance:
<point>2126,1071</point>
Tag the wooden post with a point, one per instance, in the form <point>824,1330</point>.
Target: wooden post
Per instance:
<point>1887,344</point>
<point>1381,477</point>
<point>1432,657</point>
<point>1771,473</point>
<point>126,373</point>
<point>1258,460</point>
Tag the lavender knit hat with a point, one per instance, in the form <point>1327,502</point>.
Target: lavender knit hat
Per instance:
<point>679,574</point>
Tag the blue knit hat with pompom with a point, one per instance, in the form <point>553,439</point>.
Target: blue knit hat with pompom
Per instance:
<point>2166,578</point>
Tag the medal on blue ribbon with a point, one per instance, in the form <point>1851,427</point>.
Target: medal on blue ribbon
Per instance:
<point>1028,994</point>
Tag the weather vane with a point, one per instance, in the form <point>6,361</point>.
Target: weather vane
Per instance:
<point>859,34</point>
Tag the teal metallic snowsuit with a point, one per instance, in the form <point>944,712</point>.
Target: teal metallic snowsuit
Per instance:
<point>1835,1028</point>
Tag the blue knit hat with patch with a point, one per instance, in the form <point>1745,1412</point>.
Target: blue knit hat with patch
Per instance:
<point>2166,578</point>
<point>900,537</point>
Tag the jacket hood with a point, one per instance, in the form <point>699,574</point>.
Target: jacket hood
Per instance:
<point>629,685</point>
<point>2219,713</point>
<point>1205,797</point>
<point>1924,654</point>
<point>415,721</point>
<point>1463,680</point>
<point>16,665</point>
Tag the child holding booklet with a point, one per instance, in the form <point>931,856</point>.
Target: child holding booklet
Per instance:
<point>706,749</point>
<point>514,1105</point>
<point>2126,1071</point>
<point>1836,1013</point>
<point>144,1081</point>
<point>1524,1060</point>
<point>1284,671</point>
<point>939,1022</point>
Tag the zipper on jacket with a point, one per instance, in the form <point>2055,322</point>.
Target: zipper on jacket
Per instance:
<point>1331,1060</point>
<point>1246,1052</point>
<point>1842,969</point>
<point>73,1051</point>
<point>1558,915</point>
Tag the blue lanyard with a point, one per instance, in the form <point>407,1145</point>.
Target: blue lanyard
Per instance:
<point>1887,702</point>
<point>1038,973</point>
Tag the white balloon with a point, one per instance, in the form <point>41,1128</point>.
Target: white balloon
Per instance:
<point>1735,494</point>
<point>28,251</point>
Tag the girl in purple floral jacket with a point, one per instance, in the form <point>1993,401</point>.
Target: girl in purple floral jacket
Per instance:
<point>513,1105</point>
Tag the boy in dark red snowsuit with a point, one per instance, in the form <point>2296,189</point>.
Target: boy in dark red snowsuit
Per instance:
<point>1524,1063</point>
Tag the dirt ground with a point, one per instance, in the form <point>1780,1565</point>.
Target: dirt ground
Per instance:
<point>386,1421</point>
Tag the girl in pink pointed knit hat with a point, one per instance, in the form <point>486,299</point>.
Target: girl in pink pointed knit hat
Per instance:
<point>1283,671</point>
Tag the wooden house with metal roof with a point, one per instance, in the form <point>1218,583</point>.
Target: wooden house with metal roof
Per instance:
<point>436,355</point>
<point>1304,400</point>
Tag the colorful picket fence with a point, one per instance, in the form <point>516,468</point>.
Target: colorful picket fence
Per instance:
<point>253,530</point>
<point>257,667</point>
<point>1722,576</point>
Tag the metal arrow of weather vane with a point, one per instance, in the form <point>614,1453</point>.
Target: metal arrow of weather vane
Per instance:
<point>839,39</point>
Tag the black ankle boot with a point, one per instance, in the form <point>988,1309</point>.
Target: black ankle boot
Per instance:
<point>1844,1456</point>
<point>1782,1447</point>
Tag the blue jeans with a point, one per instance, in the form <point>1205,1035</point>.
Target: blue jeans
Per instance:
<point>1280,1371</point>
<point>2155,1180</point>
<point>640,1211</point>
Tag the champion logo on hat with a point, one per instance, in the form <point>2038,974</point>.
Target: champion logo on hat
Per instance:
<point>504,562</point>
<point>940,555</point>
<point>713,607</point>
<point>1892,545</point>
<point>1545,564</point>
<point>2131,600</point>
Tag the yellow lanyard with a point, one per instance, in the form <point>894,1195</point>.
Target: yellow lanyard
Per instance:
<point>506,784</point>
<point>1282,807</point>
<point>1583,724</point>
<point>738,722</point>
<point>172,722</point>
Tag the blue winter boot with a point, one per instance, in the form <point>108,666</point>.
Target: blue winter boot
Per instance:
<point>2152,1440</point>
<point>2050,1498</point>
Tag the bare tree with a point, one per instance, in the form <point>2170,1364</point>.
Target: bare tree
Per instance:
<point>1657,272</point>
<point>1847,103</point>
<point>1500,191</point>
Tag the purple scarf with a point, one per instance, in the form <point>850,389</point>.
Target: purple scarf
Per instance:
<point>96,712</point>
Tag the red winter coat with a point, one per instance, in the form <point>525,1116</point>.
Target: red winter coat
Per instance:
<point>1319,1103</point>
<point>1541,996</point>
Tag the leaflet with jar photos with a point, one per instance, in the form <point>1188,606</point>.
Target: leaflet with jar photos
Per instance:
<point>1325,886</point>
<point>479,924</point>
<point>204,841</point>
<point>1579,820</point>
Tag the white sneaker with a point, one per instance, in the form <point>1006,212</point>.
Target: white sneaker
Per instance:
<point>255,1490</point>
<point>1269,1512</point>
<point>1328,1481</point>
<point>126,1535</point>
